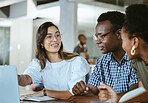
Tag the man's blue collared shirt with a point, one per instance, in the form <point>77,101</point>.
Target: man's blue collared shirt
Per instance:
<point>120,76</point>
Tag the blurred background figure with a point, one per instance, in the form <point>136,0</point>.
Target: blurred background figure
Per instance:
<point>81,47</point>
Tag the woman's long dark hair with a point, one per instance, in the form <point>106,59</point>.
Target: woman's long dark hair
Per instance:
<point>41,53</point>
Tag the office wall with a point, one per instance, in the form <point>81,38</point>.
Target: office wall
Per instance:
<point>21,43</point>
<point>93,50</point>
<point>18,9</point>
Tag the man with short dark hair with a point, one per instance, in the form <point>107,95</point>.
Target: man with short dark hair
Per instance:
<point>134,35</point>
<point>114,68</point>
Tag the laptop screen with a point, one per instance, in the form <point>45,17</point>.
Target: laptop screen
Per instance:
<point>9,92</point>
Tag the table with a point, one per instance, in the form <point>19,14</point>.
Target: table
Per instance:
<point>50,101</point>
<point>28,90</point>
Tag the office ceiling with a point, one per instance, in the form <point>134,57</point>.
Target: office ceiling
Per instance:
<point>88,10</point>
<point>40,2</point>
<point>114,2</point>
<point>5,4</point>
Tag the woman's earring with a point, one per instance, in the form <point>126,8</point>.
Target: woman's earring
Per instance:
<point>133,50</point>
<point>42,45</point>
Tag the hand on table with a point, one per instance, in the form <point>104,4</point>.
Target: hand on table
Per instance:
<point>106,93</point>
<point>80,88</point>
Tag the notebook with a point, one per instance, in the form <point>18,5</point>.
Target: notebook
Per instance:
<point>9,91</point>
<point>132,94</point>
<point>38,99</point>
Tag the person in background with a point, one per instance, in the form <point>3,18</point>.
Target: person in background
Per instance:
<point>57,70</point>
<point>81,48</point>
<point>114,68</point>
<point>134,35</point>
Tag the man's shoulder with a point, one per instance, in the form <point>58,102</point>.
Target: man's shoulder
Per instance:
<point>105,57</point>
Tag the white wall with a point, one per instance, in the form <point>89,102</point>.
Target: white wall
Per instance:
<point>21,43</point>
<point>68,24</point>
<point>18,9</point>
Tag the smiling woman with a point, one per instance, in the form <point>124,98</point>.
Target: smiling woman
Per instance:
<point>57,70</point>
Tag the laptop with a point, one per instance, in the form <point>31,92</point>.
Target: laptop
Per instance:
<point>9,90</point>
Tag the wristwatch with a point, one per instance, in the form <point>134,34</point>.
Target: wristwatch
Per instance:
<point>44,92</point>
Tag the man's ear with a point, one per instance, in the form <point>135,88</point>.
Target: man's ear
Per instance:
<point>118,33</point>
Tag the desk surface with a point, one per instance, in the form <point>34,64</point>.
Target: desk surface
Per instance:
<point>27,90</point>
<point>51,101</point>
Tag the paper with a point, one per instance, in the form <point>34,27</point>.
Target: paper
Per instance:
<point>132,94</point>
<point>45,98</point>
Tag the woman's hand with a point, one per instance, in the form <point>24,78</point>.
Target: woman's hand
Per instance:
<point>106,93</point>
<point>24,80</point>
